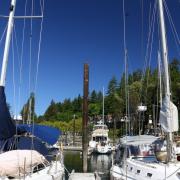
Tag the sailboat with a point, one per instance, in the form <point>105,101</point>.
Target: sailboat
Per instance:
<point>25,150</point>
<point>136,156</point>
<point>99,142</point>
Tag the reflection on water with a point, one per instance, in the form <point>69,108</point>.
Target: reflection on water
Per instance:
<point>99,163</point>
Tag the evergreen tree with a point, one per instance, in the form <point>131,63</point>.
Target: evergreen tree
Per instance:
<point>51,112</point>
<point>93,97</point>
<point>28,110</point>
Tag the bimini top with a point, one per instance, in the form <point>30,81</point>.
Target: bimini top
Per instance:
<point>138,140</point>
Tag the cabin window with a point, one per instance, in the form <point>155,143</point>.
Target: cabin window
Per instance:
<point>149,175</point>
<point>100,138</point>
<point>138,171</point>
<point>134,150</point>
<point>131,168</point>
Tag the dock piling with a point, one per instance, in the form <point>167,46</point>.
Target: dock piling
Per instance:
<point>85,117</point>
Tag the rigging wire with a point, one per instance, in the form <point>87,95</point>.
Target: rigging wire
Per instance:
<point>173,28</point>
<point>126,81</point>
<point>39,50</point>
<point>142,29</point>
<point>16,43</point>
<point>152,38</point>
<point>146,67</point>
<point>39,46</point>
<point>30,59</point>
<point>148,46</point>
<point>21,57</point>
<point>37,70</point>
<point>13,77</point>
<point>3,34</point>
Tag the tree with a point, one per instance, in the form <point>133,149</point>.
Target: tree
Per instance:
<point>113,102</point>
<point>67,105</point>
<point>51,112</point>
<point>94,109</point>
<point>93,97</point>
<point>77,105</point>
<point>28,110</point>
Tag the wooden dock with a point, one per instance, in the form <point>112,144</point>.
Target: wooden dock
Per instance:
<point>72,148</point>
<point>84,176</point>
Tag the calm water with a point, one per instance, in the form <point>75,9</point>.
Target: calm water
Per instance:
<point>99,163</point>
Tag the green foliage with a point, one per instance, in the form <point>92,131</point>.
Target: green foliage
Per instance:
<point>51,111</point>
<point>65,126</point>
<point>28,110</point>
<point>94,109</point>
<point>142,88</point>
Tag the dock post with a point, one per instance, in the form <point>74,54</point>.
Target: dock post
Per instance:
<point>85,117</point>
<point>74,131</point>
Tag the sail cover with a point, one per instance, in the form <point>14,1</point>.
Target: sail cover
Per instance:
<point>169,116</point>
<point>16,163</point>
<point>45,133</point>
<point>7,127</point>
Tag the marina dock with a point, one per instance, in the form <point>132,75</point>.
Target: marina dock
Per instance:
<point>72,148</point>
<point>84,176</point>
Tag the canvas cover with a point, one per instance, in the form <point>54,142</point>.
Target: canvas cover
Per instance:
<point>32,143</point>
<point>17,162</point>
<point>45,133</point>
<point>168,116</point>
<point>138,140</point>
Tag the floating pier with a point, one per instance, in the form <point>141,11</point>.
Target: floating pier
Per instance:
<point>84,176</point>
<point>72,148</point>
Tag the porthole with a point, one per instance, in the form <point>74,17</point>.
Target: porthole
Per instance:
<point>149,175</point>
<point>138,171</point>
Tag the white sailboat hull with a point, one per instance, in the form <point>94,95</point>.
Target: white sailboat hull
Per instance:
<point>137,170</point>
<point>52,172</point>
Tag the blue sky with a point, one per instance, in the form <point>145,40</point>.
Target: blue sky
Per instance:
<point>77,32</point>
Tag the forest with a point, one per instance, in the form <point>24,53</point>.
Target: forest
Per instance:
<point>143,88</point>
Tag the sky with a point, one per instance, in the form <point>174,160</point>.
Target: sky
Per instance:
<point>77,32</point>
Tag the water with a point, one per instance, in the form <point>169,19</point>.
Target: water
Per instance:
<point>99,163</point>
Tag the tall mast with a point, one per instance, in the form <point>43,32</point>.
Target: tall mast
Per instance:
<point>164,48</point>
<point>159,74</point>
<point>7,42</point>
<point>166,72</point>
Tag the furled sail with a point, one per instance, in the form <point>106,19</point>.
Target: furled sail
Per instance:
<point>168,116</point>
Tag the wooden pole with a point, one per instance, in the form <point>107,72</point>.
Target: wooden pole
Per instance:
<point>74,131</point>
<point>85,117</point>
